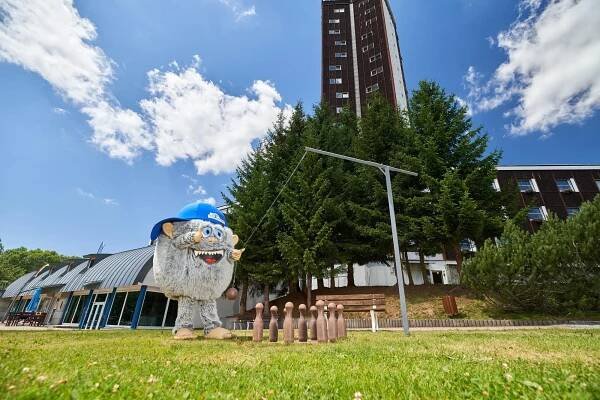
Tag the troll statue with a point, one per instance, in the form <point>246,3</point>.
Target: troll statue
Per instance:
<point>193,264</point>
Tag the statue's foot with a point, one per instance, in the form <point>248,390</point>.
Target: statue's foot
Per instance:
<point>185,334</point>
<point>219,334</point>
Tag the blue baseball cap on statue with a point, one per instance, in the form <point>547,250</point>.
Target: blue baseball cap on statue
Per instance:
<point>197,210</point>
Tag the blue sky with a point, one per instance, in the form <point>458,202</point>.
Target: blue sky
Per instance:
<point>97,147</point>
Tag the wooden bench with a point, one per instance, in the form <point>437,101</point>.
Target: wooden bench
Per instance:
<point>371,302</point>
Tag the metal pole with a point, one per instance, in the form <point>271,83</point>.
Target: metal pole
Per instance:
<point>399,274</point>
<point>386,171</point>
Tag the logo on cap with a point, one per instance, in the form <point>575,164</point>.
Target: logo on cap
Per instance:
<point>216,217</point>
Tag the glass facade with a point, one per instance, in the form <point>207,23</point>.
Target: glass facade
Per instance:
<point>171,313</point>
<point>153,310</point>
<point>117,307</point>
<point>74,309</point>
<point>157,309</point>
<point>129,308</point>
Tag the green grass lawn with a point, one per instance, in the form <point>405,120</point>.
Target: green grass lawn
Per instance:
<point>548,364</point>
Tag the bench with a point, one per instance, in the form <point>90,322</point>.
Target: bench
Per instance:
<point>372,302</point>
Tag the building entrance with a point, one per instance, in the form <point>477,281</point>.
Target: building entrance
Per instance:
<point>437,277</point>
<point>96,311</point>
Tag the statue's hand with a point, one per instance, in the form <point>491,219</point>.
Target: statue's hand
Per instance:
<point>236,254</point>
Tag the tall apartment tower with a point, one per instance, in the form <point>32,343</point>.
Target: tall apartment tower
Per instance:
<point>361,54</point>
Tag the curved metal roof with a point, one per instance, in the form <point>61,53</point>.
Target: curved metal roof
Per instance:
<point>14,288</point>
<point>35,283</point>
<point>72,278</point>
<point>120,269</point>
<point>55,275</point>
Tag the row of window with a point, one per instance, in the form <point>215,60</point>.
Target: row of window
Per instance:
<point>541,213</point>
<point>157,310</point>
<point>564,185</point>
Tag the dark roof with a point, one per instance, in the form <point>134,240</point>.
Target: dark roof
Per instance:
<point>14,288</point>
<point>121,269</point>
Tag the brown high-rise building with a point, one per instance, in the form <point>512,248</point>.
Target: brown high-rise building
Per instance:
<point>361,54</point>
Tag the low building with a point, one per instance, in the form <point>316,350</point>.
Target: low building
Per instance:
<point>101,290</point>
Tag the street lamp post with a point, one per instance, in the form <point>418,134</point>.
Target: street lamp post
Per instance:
<point>388,183</point>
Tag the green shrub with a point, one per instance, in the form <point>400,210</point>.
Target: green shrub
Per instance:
<point>556,269</point>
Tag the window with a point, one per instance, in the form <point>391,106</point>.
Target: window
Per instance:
<point>342,95</point>
<point>372,88</point>
<point>153,310</point>
<point>171,313</point>
<point>598,183</point>
<point>335,67</point>
<point>377,71</point>
<point>117,307</point>
<point>370,21</point>
<point>366,35</point>
<point>338,110</point>
<point>340,42</point>
<point>339,10</point>
<point>335,81</point>
<point>527,185</point>
<point>334,31</point>
<point>572,211</point>
<point>537,214</point>
<point>496,185</point>
<point>375,57</point>
<point>334,21</point>
<point>341,55</point>
<point>566,185</point>
<point>369,10</point>
<point>368,47</point>
<point>129,308</point>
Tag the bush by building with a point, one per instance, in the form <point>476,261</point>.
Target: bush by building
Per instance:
<point>555,269</point>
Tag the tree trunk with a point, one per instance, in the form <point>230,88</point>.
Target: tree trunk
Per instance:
<point>308,290</point>
<point>266,296</point>
<point>332,278</point>
<point>320,283</point>
<point>407,268</point>
<point>423,268</point>
<point>243,298</point>
<point>351,274</point>
<point>293,286</point>
<point>459,258</point>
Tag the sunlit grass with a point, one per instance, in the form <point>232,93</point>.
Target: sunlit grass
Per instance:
<point>134,364</point>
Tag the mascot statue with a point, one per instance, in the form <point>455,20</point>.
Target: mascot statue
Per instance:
<point>193,264</point>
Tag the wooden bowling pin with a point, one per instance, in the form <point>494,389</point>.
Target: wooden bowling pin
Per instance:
<point>273,325</point>
<point>257,330</point>
<point>321,323</point>
<point>288,324</point>
<point>341,322</point>
<point>313,323</point>
<point>332,323</point>
<point>302,328</point>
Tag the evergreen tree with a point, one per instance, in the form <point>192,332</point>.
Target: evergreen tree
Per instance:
<point>453,152</point>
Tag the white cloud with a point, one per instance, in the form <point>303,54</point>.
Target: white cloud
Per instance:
<point>92,196</point>
<point>58,110</point>
<point>50,38</point>
<point>192,118</point>
<point>185,116</point>
<point>83,193</point>
<point>209,200</point>
<point>552,69</point>
<point>110,202</point>
<point>239,11</point>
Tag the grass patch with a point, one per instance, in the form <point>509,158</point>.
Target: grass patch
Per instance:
<point>133,364</point>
